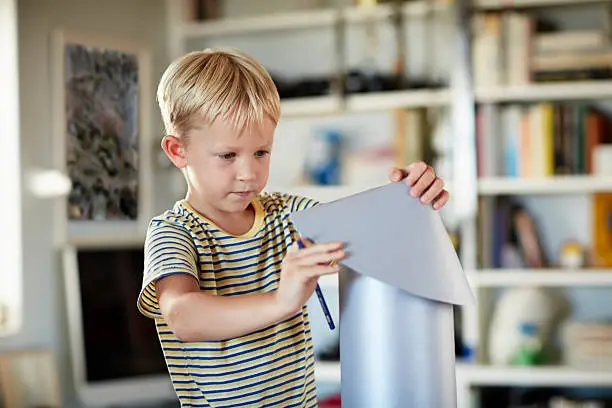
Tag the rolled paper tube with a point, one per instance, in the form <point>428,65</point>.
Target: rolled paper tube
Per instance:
<point>397,349</point>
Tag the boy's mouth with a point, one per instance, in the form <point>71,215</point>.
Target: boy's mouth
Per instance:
<point>243,194</point>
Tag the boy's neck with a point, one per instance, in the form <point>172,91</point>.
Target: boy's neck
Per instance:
<point>234,223</point>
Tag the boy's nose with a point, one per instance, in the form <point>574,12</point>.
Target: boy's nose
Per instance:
<point>246,171</point>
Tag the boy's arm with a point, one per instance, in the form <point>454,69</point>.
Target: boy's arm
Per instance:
<point>198,316</point>
<point>171,289</point>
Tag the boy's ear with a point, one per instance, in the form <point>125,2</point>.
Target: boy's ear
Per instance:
<point>175,150</point>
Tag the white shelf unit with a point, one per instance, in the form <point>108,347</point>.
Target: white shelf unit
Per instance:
<point>475,374</point>
<point>532,376</point>
<point>180,32</point>
<point>529,4</point>
<point>580,90</point>
<point>397,99</point>
<point>301,19</point>
<point>264,23</point>
<point>491,278</point>
<point>316,105</point>
<point>468,375</point>
<point>492,186</point>
<point>363,103</point>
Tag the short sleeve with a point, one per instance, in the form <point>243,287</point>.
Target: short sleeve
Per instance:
<point>298,203</point>
<point>169,249</point>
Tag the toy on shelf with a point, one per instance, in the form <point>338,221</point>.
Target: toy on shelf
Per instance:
<point>529,351</point>
<point>323,162</point>
<point>572,255</point>
<point>522,325</point>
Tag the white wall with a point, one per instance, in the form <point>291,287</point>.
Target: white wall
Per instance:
<point>143,20</point>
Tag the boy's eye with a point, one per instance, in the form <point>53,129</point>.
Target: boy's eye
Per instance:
<point>261,153</point>
<point>227,156</point>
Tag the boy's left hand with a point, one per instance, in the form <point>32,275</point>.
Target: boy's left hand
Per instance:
<point>424,182</point>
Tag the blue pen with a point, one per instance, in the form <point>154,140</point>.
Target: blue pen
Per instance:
<point>328,316</point>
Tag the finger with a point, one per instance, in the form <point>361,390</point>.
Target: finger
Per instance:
<point>415,171</point>
<point>433,191</point>
<point>441,200</point>
<point>319,248</point>
<point>423,183</point>
<point>320,270</point>
<point>321,258</point>
<point>306,242</point>
<point>293,249</point>
<point>397,174</point>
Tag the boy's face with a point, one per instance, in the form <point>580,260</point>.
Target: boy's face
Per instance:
<point>225,169</point>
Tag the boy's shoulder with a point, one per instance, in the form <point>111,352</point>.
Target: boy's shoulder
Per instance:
<point>178,216</point>
<point>285,202</point>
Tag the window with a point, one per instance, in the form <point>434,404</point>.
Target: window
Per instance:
<point>10,175</point>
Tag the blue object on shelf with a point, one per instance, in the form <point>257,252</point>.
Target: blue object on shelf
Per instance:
<point>323,159</point>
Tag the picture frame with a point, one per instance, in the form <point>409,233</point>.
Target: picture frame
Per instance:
<point>102,135</point>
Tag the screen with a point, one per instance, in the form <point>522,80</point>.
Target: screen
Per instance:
<point>119,341</point>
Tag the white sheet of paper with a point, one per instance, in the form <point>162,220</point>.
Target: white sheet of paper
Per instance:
<point>392,237</point>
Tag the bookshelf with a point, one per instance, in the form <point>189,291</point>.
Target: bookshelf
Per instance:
<point>183,34</point>
<point>493,94</point>
<point>535,145</point>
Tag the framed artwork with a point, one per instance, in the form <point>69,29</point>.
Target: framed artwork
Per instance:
<point>101,100</point>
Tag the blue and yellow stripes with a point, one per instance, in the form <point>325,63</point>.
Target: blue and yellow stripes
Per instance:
<point>270,367</point>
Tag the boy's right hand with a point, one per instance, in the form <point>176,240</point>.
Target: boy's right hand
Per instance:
<point>300,270</point>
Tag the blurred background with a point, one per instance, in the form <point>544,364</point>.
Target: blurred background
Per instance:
<point>509,100</point>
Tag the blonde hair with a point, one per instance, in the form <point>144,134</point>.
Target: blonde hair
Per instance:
<point>216,83</point>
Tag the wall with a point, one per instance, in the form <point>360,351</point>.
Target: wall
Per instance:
<point>143,20</point>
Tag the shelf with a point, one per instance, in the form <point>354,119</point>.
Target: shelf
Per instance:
<point>366,102</point>
<point>317,105</point>
<point>544,185</point>
<point>532,376</point>
<point>540,277</point>
<point>303,19</point>
<point>472,374</point>
<point>381,12</point>
<point>327,371</point>
<point>510,4</point>
<point>265,23</point>
<point>381,101</point>
<point>578,90</point>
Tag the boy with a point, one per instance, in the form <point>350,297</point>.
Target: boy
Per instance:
<point>223,278</point>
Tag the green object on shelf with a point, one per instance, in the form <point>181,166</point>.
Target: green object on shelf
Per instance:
<point>530,349</point>
<point>526,357</point>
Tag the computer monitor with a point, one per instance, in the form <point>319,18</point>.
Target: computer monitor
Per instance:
<point>116,355</point>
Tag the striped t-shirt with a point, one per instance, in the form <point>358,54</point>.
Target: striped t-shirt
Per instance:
<point>272,367</point>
